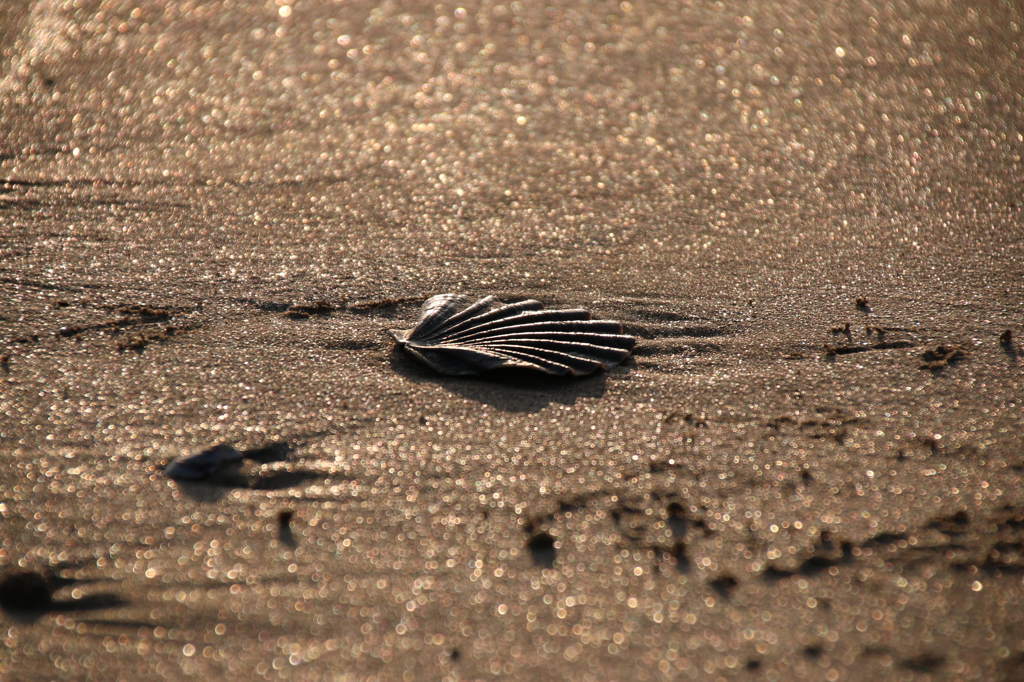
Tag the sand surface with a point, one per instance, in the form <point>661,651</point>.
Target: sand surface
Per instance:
<point>211,213</point>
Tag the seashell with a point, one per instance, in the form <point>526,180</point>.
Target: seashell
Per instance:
<point>458,337</point>
<point>205,465</point>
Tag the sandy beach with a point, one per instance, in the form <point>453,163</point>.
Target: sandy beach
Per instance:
<point>809,214</point>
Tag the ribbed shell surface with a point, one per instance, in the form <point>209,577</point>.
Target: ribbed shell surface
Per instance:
<point>459,337</point>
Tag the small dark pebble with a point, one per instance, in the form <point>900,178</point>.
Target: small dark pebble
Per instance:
<point>960,518</point>
<point>284,529</point>
<point>1006,338</point>
<point>677,520</point>
<point>941,356</point>
<point>542,549</point>
<point>924,663</point>
<point>678,553</point>
<point>724,585</point>
<point>861,302</point>
<point>25,591</point>
<point>205,465</point>
<point>813,652</point>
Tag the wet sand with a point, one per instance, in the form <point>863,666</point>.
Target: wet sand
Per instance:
<point>809,215</point>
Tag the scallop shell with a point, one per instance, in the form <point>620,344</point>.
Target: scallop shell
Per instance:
<point>458,337</point>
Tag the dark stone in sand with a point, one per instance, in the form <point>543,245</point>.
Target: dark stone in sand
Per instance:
<point>25,591</point>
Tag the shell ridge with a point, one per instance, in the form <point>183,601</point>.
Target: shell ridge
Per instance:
<point>579,364</point>
<point>609,330</point>
<point>502,313</point>
<point>458,361</point>
<point>469,310</point>
<point>533,361</point>
<point>517,357</point>
<point>567,340</point>
<point>525,319</point>
<point>584,351</point>
<point>456,347</point>
<point>558,331</point>
<point>435,312</point>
